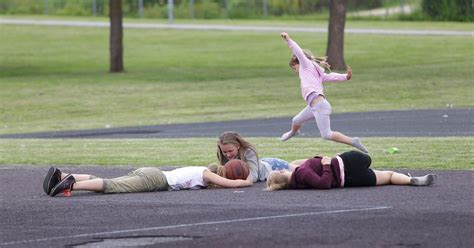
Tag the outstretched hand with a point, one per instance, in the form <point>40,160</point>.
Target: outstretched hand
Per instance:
<point>285,36</point>
<point>326,160</point>
<point>349,73</point>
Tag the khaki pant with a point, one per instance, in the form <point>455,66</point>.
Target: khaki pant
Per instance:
<point>140,180</point>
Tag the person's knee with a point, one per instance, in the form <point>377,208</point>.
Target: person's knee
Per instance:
<point>360,158</point>
<point>326,135</point>
<point>296,121</point>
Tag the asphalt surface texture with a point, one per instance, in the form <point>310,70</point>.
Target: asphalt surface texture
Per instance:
<point>385,216</point>
<point>404,123</point>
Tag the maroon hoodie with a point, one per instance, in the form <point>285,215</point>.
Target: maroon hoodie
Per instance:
<point>313,175</point>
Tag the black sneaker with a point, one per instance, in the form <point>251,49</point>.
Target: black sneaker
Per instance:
<point>65,184</point>
<point>52,178</point>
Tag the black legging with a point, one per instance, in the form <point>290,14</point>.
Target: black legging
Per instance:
<point>356,169</point>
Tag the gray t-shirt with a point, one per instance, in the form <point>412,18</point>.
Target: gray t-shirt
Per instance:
<point>258,172</point>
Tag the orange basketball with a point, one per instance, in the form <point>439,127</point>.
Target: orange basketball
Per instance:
<point>236,169</point>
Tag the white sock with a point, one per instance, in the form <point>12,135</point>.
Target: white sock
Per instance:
<point>358,144</point>
<point>288,135</point>
<point>424,180</point>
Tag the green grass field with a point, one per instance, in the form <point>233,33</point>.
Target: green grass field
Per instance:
<point>317,22</point>
<point>55,78</point>
<point>415,153</point>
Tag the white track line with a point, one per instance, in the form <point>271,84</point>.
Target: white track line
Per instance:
<point>230,27</point>
<point>195,224</point>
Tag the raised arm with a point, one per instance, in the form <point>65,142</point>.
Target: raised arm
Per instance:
<point>210,177</point>
<point>297,51</point>
<point>334,77</point>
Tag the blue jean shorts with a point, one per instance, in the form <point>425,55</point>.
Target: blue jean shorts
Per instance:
<point>276,164</point>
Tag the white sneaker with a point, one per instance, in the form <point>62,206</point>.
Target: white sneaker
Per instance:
<point>288,135</point>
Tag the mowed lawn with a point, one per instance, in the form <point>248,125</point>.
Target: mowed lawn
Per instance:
<point>56,78</point>
<point>415,153</point>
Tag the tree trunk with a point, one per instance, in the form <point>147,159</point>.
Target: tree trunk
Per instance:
<point>335,47</point>
<point>116,46</point>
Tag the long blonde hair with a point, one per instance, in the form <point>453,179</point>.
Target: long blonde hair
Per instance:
<point>321,61</point>
<point>277,181</point>
<point>235,139</point>
<point>217,169</point>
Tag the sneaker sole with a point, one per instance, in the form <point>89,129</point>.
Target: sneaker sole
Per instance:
<point>431,179</point>
<point>47,180</point>
<point>53,191</point>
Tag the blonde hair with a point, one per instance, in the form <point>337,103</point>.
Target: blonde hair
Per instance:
<point>216,169</point>
<point>235,139</point>
<point>277,181</point>
<point>321,61</point>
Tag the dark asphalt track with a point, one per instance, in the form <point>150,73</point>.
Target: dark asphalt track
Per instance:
<point>409,123</point>
<point>386,216</point>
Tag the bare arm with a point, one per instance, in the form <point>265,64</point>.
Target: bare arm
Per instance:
<point>335,77</point>
<point>210,177</point>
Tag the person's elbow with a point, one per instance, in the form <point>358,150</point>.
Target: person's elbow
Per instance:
<point>247,183</point>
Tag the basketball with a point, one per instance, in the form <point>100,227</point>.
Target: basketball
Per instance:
<point>236,169</point>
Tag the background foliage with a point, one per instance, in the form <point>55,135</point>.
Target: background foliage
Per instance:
<point>452,10</point>
<point>439,10</point>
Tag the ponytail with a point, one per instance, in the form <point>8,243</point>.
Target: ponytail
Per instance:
<point>321,61</point>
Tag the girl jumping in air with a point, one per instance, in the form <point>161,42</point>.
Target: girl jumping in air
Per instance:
<point>140,180</point>
<point>348,169</point>
<point>312,75</point>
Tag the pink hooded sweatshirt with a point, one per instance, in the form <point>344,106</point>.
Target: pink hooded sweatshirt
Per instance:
<point>311,74</point>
